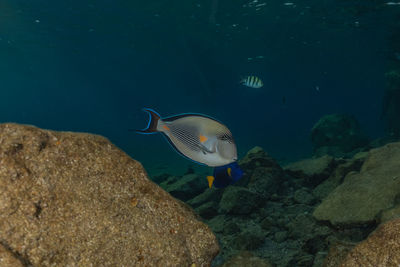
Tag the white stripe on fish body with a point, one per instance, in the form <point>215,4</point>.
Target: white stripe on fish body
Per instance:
<point>185,133</point>
<point>252,81</point>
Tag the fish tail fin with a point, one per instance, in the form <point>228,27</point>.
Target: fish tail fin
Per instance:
<point>210,180</point>
<point>154,118</point>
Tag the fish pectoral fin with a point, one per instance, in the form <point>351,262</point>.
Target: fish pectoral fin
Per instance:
<point>210,180</point>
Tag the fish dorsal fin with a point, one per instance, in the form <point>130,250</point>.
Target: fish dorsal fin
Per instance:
<point>183,115</point>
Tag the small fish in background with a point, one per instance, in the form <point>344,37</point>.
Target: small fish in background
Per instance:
<point>195,136</point>
<point>252,82</point>
<point>225,175</point>
<point>392,3</point>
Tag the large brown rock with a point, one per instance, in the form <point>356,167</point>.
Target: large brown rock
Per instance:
<point>75,199</point>
<point>381,248</point>
<point>363,196</point>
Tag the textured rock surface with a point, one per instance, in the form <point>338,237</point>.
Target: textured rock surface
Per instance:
<point>10,258</point>
<point>210,194</point>
<point>238,200</point>
<point>185,187</point>
<point>76,199</point>
<point>313,171</point>
<point>390,214</point>
<point>337,253</point>
<point>246,259</point>
<point>337,135</point>
<point>382,248</point>
<point>362,196</point>
<point>257,157</point>
<point>337,176</point>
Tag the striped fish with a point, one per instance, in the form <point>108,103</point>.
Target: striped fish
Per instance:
<point>252,81</point>
<point>195,136</point>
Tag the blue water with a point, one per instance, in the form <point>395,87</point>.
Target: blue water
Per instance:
<point>90,66</point>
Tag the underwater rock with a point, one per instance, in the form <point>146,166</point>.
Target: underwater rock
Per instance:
<point>265,181</point>
<point>217,223</point>
<point>257,157</point>
<point>10,258</point>
<point>186,187</point>
<point>338,174</point>
<point>337,135</point>
<point>390,214</point>
<point>239,201</point>
<point>168,180</point>
<point>313,171</point>
<point>362,196</point>
<point>304,260</point>
<point>163,177</point>
<point>251,238</point>
<point>304,226</point>
<point>303,196</point>
<point>231,227</point>
<point>246,259</point>
<point>337,253</point>
<point>207,210</point>
<point>381,248</point>
<point>76,199</point>
<point>281,236</point>
<point>210,194</point>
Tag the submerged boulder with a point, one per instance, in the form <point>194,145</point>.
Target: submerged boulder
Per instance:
<point>337,135</point>
<point>312,171</point>
<point>381,248</point>
<point>238,200</point>
<point>76,199</point>
<point>246,259</point>
<point>185,187</point>
<point>257,157</point>
<point>337,175</point>
<point>363,196</point>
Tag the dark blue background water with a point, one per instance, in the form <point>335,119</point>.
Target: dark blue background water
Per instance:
<point>91,66</point>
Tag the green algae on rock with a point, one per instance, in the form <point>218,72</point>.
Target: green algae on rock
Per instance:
<point>76,199</point>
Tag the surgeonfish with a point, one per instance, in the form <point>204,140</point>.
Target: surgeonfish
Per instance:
<point>225,175</point>
<point>195,136</point>
<point>252,81</point>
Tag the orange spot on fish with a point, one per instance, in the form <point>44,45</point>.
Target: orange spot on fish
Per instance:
<point>202,138</point>
<point>166,127</point>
